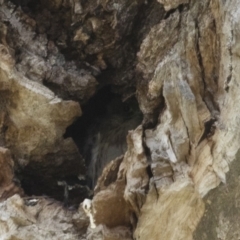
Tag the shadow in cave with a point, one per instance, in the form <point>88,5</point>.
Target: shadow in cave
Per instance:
<point>93,110</point>
<point>100,135</point>
<point>57,182</point>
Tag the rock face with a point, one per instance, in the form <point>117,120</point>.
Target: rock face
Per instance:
<point>221,218</point>
<point>36,218</point>
<point>139,98</point>
<point>9,185</point>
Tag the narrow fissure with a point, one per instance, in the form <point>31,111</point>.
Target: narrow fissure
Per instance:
<point>199,56</point>
<point>229,78</point>
<point>209,129</point>
<point>180,8</point>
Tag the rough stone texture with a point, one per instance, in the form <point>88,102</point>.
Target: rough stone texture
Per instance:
<point>39,59</point>
<point>134,170</point>
<point>35,218</point>
<point>184,66</point>
<point>168,5</point>
<point>8,186</point>
<point>179,205</point>
<point>221,218</point>
<point>34,122</point>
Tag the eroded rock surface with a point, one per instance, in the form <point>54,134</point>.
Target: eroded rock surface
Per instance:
<point>9,185</point>
<point>36,218</point>
<point>221,218</point>
<point>178,58</point>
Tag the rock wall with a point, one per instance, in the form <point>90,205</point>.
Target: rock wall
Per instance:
<point>179,59</point>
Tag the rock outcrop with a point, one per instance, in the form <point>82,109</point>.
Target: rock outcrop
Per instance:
<point>69,73</point>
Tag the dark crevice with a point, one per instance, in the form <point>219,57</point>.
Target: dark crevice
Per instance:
<point>27,6</point>
<point>152,120</point>
<point>207,97</point>
<point>160,109</point>
<point>209,127</point>
<point>147,16</point>
<point>150,173</point>
<point>39,180</point>
<point>96,107</point>
<point>180,8</point>
<point>170,12</point>
<point>147,152</point>
<point>200,60</point>
<point>226,88</point>
<point>229,78</point>
<point>100,133</point>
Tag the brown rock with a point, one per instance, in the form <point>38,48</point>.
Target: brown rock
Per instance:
<point>110,207</point>
<point>8,186</point>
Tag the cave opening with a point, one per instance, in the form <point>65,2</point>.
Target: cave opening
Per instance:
<point>100,133</point>
<point>93,109</point>
<point>100,136</point>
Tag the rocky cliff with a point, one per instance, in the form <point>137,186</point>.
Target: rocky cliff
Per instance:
<point>119,119</point>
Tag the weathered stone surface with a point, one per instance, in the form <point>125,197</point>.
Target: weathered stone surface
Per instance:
<point>8,185</point>
<point>40,59</point>
<point>183,64</point>
<point>35,119</point>
<point>221,218</point>
<point>179,206</point>
<point>109,174</point>
<point>126,195</point>
<point>134,170</point>
<point>28,108</point>
<point>168,5</point>
<point>35,218</point>
<point>191,134</point>
<point>108,201</point>
<point>102,232</point>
